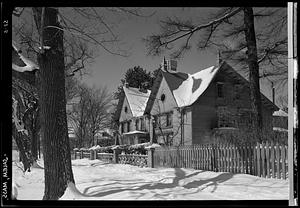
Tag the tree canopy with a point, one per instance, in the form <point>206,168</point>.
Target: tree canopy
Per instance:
<point>137,77</point>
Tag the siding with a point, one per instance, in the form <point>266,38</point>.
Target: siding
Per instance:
<point>125,116</point>
<point>204,117</point>
<point>204,110</point>
<point>168,105</point>
<point>187,127</point>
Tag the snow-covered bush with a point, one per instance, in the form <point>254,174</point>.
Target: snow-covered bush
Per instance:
<point>134,149</point>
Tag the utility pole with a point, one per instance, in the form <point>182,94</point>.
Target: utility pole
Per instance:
<point>292,107</point>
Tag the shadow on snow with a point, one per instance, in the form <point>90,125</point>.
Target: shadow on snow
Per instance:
<point>179,175</point>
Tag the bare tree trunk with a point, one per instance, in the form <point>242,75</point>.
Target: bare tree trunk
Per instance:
<point>253,71</point>
<point>56,146</point>
<point>24,153</point>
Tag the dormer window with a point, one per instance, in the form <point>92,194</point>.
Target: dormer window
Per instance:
<point>220,89</point>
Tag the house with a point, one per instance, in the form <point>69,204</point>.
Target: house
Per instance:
<point>192,108</point>
<point>280,122</point>
<point>133,124</point>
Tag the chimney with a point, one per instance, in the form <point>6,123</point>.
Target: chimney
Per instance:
<point>219,59</point>
<point>173,65</point>
<point>165,64</point>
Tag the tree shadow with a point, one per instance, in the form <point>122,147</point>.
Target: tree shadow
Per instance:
<point>179,175</point>
<point>210,182</point>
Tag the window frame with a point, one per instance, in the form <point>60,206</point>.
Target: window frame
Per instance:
<point>142,124</point>
<point>137,123</point>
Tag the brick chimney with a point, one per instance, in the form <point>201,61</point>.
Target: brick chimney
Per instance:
<point>173,65</point>
<point>126,84</point>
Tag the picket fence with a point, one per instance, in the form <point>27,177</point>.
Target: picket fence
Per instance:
<point>263,160</point>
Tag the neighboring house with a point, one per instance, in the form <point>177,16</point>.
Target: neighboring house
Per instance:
<point>104,134</point>
<point>280,121</point>
<point>133,125</point>
<point>190,108</point>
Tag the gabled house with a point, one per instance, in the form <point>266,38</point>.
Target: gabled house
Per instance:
<point>133,125</point>
<point>191,108</point>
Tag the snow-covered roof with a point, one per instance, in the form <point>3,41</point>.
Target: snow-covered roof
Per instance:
<point>280,113</point>
<point>187,88</point>
<point>21,63</point>
<point>135,132</point>
<point>137,100</point>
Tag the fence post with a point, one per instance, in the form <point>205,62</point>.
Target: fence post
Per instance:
<point>92,155</point>
<point>116,155</point>
<point>81,154</point>
<point>151,157</point>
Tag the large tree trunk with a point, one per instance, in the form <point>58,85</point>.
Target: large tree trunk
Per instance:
<point>56,146</point>
<point>35,134</point>
<point>253,71</point>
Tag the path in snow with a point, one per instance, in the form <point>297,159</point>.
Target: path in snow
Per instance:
<point>103,181</point>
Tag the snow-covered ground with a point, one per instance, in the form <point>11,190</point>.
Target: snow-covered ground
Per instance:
<point>97,180</point>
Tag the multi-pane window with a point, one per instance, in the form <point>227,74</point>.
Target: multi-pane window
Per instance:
<point>163,120</point>
<point>142,124</point>
<point>226,117</point>
<point>169,119</point>
<point>220,90</point>
<point>137,124</point>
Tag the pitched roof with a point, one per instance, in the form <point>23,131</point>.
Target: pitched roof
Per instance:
<point>21,63</point>
<point>187,88</point>
<point>137,100</point>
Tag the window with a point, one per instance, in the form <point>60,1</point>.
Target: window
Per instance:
<point>125,109</point>
<point>137,124</point>
<point>226,117</point>
<point>163,97</point>
<point>163,120</point>
<point>142,124</point>
<point>220,87</point>
<point>169,119</point>
<point>128,126</point>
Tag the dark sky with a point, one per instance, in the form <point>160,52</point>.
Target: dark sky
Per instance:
<point>107,69</point>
